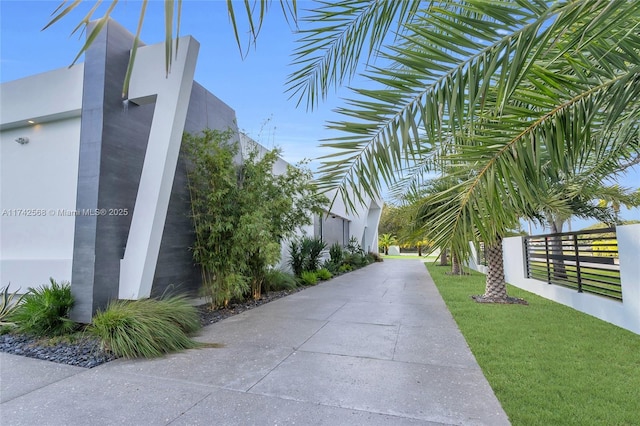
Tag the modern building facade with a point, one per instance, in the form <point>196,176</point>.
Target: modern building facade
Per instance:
<point>93,188</point>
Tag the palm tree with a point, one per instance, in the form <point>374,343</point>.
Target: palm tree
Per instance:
<point>387,240</point>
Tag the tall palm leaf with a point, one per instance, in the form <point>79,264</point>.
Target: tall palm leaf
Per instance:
<point>333,37</point>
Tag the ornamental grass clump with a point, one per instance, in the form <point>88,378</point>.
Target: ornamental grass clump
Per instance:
<point>309,278</point>
<point>8,306</point>
<point>146,328</point>
<point>44,311</point>
<point>324,274</point>
<point>277,280</point>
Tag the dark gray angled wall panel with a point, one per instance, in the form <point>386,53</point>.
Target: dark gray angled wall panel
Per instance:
<point>113,141</point>
<point>176,270</point>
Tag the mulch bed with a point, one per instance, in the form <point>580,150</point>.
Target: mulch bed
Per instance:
<point>480,298</point>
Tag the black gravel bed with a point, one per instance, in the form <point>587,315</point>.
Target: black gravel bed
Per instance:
<point>87,352</point>
<point>208,316</point>
<point>83,352</point>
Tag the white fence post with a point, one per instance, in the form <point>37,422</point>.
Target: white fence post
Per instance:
<point>628,237</point>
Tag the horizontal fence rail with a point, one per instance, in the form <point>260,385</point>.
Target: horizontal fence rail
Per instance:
<point>586,261</point>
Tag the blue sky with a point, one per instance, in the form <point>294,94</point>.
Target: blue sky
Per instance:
<point>254,87</point>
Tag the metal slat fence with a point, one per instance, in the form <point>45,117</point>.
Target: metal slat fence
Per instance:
<point>481,254</point>
<point>586,261</point>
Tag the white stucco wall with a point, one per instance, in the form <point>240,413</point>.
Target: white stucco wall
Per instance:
<point>38,180</point>
<point>40,177</point>
<point>363,223</point>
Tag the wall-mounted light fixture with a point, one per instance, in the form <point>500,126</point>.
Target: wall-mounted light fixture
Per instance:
<point>22,140</point>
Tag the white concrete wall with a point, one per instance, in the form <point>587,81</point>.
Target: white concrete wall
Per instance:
<point>625,314</point>
<point>363,223</point>
<point>472,262</point>
<point>39,177</point>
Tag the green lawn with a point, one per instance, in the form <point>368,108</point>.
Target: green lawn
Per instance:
<point>547,364</point>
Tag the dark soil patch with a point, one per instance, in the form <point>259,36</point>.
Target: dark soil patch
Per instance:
<point>480,298</point>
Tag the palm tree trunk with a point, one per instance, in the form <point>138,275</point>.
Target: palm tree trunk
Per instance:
<point>558,265</point>
<point>496,288</point>
<point>455,265</point>
<point>443,257</point>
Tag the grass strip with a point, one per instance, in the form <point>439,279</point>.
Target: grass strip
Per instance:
<point>548,364</point>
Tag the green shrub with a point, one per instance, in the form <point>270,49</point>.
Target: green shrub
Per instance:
<point>296,257</point>
<point>312,248</point>
<point>354,247</point>
<point>345,268</point>
<point>374,257</point>
<point>146,328</point>
<point>8,307</point>
<point>309,278</point>
<point>277,280</point>
<point>305,254</point>
<point>44,311</point>
<point>324,274</point>
<point>355,260</point>
<point>178,310</point>
<point>330,266</point>
<point>336,253</point>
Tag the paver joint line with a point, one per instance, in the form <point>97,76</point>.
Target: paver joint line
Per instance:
<point>295,349</point>
<point>189,409</point>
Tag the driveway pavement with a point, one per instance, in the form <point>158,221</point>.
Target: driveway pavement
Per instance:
<point>374,347</point>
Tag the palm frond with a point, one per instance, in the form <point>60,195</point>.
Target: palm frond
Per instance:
<point>521,99</point>
<point>336,35</point>
<point>442,76</point>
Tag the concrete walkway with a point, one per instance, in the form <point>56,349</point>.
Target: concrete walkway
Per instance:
<point>373,347</point>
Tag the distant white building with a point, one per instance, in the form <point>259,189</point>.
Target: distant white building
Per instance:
<point>93,189</point>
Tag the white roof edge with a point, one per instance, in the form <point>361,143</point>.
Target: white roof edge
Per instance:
<point>42,97</point>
